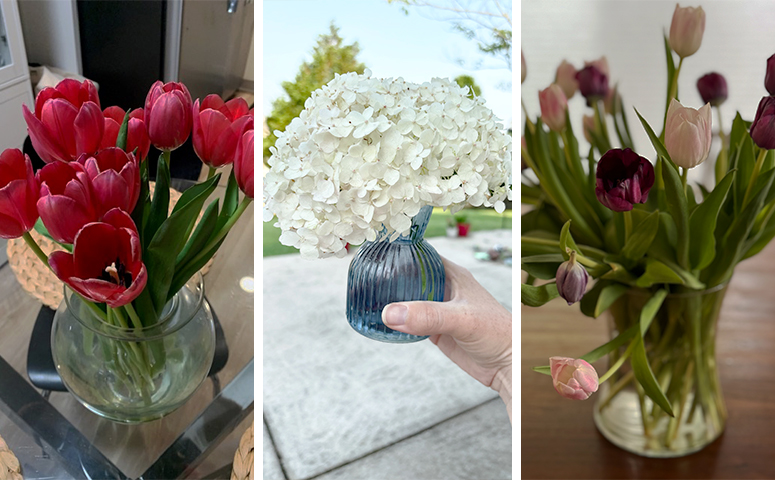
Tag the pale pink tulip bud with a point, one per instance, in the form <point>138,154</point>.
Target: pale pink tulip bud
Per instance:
<point>686,30</point>
<point>524,67</point>
<point>611,101</point>
<point>571,280</point>
<point>573,378</point>
<point>688,134</point>
<point>601,64</point>
<point>566,79</point>
<point>588,121</point>
<point>553,107</point>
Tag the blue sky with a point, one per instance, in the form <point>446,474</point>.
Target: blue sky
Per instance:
<point>392,44</point>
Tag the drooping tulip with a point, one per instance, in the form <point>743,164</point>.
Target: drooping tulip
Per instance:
<point>106,265</point>
<point>67,121</point>
<point>523,67</point>
<point>243,164</point>
<point>553,107</point>
<point>688,134</point>
<point>573,378</point>
<point>571,280</point>
<point>137,133</point>
<point>566,79</point>
<point>686,30</point>
<point>114,176</point>
<point>65,203</point>
<point>769,76</point>
<point>593,84</point>
<point>218,128</point>
<point>168,115</point>
<point>18,194</point>
<point>763,126</point>
<point>712,88</point>
<point>623,178</point>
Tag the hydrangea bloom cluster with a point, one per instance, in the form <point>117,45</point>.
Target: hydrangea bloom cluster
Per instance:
<point>367,153</point>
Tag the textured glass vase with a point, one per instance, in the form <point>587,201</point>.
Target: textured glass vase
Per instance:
<point>384,271</point>
<point>681,350</point>
<point>134,375</point>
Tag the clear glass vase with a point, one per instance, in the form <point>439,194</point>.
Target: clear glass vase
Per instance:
<point>681,350</point>
<point>384,271</point>
<point>134,375</point>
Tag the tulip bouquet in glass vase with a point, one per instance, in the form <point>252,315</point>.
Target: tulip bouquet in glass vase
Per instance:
<point>660,250</point>
<point>134,337</point>
<point>365,162</point>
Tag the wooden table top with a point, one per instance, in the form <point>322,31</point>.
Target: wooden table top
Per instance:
<point>560,440</point>
<point>133,448</point>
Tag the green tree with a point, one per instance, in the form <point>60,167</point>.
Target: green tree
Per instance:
<point>329,57</point>
<point>468,81</point>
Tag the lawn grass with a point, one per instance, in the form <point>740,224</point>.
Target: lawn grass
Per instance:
<point>480,219</point>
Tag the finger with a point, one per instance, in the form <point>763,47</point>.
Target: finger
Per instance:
<point>428,318</point>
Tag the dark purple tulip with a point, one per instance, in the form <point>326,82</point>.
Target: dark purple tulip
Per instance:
<point>769,77</point>
<point>571,280</point>
<point>623,179</point>
<point>763,126</point>
<point>713,88</point>
<point>593,84</point>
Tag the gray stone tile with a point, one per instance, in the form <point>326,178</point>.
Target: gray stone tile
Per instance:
<point>3,251</point>
<point>332,396</point>
<point>476,444</point>
<point>272,470</point>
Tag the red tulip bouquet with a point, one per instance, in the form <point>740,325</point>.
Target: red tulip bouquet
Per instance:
<point>123,253</point>
<point>661,251</point>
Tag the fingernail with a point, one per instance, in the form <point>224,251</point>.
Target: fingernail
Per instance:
<point>396,314</point>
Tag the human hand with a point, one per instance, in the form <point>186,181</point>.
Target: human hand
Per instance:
<point>470,327</point>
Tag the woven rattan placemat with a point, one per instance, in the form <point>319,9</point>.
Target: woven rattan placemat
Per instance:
<point>9,464</point>
<point>242,469</point>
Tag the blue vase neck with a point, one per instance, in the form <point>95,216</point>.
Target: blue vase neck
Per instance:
<point>417,231</point>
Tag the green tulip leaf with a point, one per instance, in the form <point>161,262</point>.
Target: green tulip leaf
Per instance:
<point>702,224</point>
<point>642,236</point>
<point>143,205</point>
<point>744,166</point>
<point>566,241</point>
<point>542,266</point>
<point>608,296</point>
<point>198,240</point>
<point>184,275</point>
<point>161,200</point>
<point>679,210</point>
<point>537,296</point>
<point>545,369</point>
<point>655,141</point>
<point>230,201</point>
<point>122,132</point>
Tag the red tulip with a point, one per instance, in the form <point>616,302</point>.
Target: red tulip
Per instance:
<point>243,164</point>
<point>106,265</point>
<point>18,194</point>
<point>65,203</point>
<point>623,179</point>
<point>115,179</point>
<point>218,128</point>
<point>168,115</point>
<point>137,134</point>
<point>67,121</point>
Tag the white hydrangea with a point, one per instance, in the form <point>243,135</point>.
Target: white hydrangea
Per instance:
<point>368,152</point>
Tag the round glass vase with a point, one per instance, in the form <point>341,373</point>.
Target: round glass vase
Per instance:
<point>402,269</point>
<point>134,375</point>
<point>680,347</point>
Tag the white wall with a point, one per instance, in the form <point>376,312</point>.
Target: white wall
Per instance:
<point>51,33</point>
<point>739,37</point>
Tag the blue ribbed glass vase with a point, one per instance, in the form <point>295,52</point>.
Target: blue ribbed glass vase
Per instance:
<point>384,271</point>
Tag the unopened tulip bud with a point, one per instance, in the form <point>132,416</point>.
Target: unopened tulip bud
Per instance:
<point>769,76</point>
<point>686,30</point>
<point>553,107</point>
<point>573,378</point>
<point>688,134</point>
<point>712,88</point>
<point>566,79</point>
<point>763,126</point>
<point>524,67</point>
<point>572,279</point>
<point>588,121</point>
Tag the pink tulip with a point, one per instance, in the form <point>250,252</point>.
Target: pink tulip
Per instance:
<point>218,128</point>
<point>686,30</point>
<point>168,115</point>
<point>553,107</point>
<point>566,79</point>
<point>244,165</point>
<point>137,133</point>
<point>601,64</point>
<point>114,176</point>
<point>67,121</point>
<point>65,203</point>
<point>573,378</point>
<point>18,194</point>
<point>688,134</point>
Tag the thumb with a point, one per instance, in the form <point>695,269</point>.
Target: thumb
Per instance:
<point>420,318</point>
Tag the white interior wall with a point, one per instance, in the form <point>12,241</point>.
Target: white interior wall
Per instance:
<point>51,33</point>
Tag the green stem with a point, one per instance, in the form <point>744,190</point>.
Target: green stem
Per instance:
<point>684,177</point>
<point>133,316</point>
<point>210,172</point>
<point>600,121</point>
<point>671,94</point>
<point>627,225</point>
<point>619,362</point>
<point>35,248</point>
<point>756,169</point>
